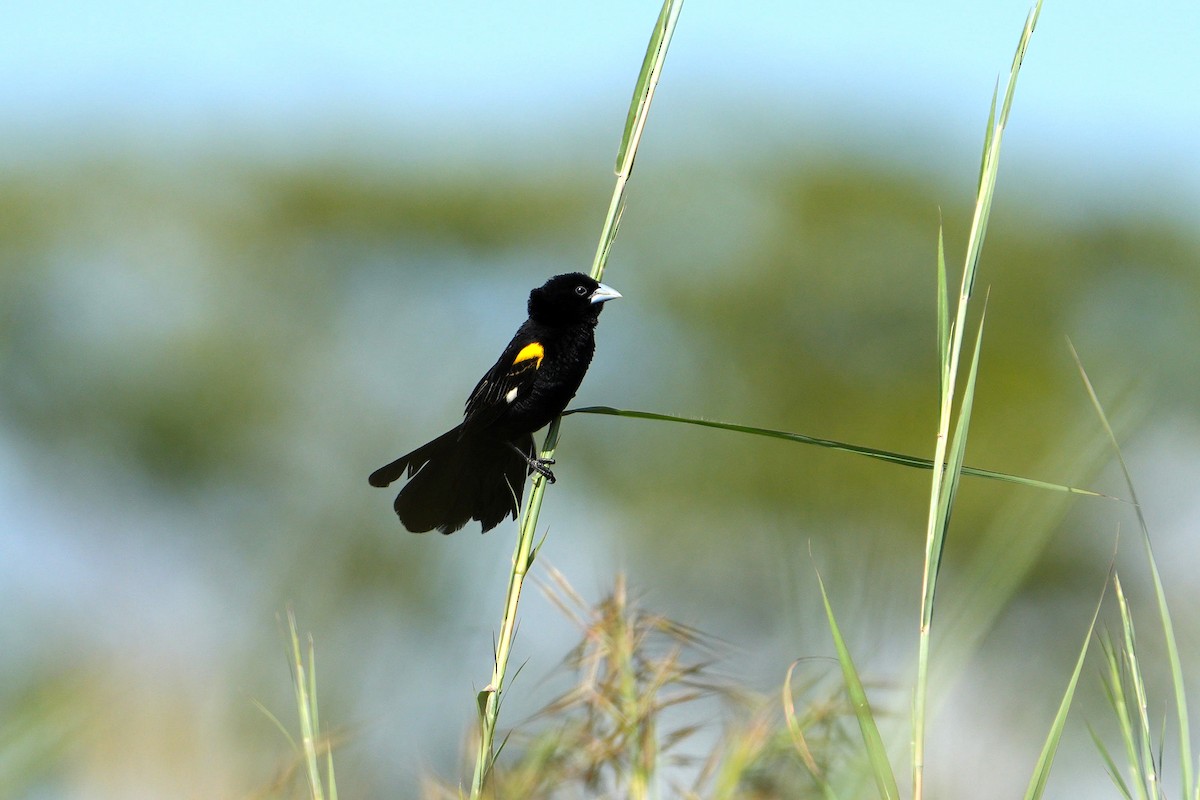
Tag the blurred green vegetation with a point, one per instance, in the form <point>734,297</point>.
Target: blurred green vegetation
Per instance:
<point>201,360</point>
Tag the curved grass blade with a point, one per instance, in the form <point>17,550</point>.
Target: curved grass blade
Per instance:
<point>282,728</point>
<point>871,452</point>
<point>881,767</point>
<point>798,739</point>
<point>1041,772</point>
<point>1187,776</point>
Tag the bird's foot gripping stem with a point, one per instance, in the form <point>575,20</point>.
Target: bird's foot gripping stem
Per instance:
<point>539,465</point>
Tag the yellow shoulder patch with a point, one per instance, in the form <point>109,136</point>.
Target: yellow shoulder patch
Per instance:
<point>533,350</point>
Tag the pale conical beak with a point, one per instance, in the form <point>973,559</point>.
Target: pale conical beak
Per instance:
<point>603,293</point>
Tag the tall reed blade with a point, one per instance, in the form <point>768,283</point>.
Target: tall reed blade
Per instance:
<point>941,493</point>
<point>943,317</point>
<point>489,699</point>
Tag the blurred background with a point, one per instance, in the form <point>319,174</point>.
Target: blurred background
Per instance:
<point>250,252</point>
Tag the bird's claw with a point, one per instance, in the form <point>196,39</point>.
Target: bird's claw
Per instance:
<point>542,467</point>
<point>536,464</point>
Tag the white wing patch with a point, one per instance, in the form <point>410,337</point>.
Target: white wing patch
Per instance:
<point>510,395</point>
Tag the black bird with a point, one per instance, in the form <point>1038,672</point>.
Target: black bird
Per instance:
<point>477,470</point>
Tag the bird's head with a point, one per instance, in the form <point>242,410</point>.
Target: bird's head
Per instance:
<point>569,299</point>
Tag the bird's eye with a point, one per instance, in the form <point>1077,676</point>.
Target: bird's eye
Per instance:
<point>581,290</point>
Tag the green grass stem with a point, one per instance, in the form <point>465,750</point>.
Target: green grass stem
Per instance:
<point>304,684</point>
<point>892,457</point>
<point>944,480</point>
<point>489,699</point>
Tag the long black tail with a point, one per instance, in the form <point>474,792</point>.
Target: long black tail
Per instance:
<point>457,478</point>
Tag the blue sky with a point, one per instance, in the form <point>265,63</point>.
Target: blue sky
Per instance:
<point>1107,85</point>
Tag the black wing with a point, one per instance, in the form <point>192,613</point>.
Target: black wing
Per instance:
<point>507,380</point>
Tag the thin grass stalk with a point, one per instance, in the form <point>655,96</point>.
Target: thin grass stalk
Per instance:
<point>881,768</point>
<point>935,530</point>
<point>306,706</point>
<point>1144,764</point>
<point>489,699</point>
<point>1005,553</point>
<point>1190,788</point>
<point>943,315</point>
<point>1110,765</point>
<point>330,779</point>
<point>635,124</point>
<point>1041,771</point>
<point>1117,697</point>
<point>798,739</point>
<point>889,456</point>
<point>933,556</point>
<point>638,732</point>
